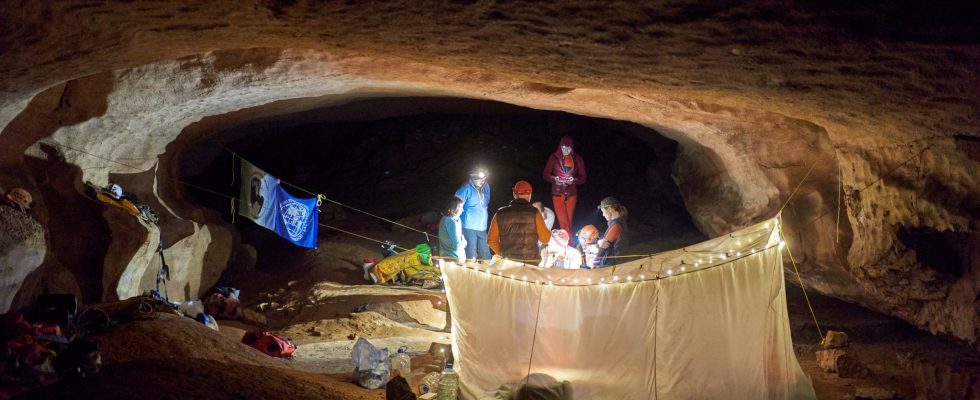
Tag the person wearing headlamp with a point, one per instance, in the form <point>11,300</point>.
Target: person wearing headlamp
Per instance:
<point>566,171</point>
<point>475,194</point>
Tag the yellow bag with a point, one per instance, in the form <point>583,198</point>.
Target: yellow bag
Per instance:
<point>408,265</point>
<point>387,269</point>
<point>124,204</point>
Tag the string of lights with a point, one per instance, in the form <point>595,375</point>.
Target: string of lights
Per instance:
<point>709,254</point>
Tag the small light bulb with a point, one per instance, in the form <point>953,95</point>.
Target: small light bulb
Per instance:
<point>670,272</point>
<point>440,303</point>
<point>642,276</point>
<point>738,243</point>
<point>575,280</point>
<point>722,257</point>
<point>524,278</point>
<point>589,280</point>
<point>616,278</point>
<point>629,277</point>
<point>682,269</point>
<point>602,280</point>
<point>738,254</point>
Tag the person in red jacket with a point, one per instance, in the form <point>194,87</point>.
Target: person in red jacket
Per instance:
<point>565,170</point>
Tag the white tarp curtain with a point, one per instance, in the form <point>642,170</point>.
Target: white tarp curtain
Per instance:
<point>708,321</point>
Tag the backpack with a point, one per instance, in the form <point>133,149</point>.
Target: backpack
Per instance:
<point>269,343</point>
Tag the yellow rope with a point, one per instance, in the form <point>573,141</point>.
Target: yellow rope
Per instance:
<point>840,189</point>
<point>800,278</point>
<point>814,164</point>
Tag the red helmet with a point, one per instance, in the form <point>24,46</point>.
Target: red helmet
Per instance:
<point>589,233</point>
<point>522,188</point>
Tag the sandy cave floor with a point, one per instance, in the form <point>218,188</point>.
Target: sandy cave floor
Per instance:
<point>323,305</point>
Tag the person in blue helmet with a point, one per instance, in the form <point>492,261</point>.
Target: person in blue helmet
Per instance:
<point>475,193</point>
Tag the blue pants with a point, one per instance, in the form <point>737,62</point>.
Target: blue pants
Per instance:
<point>476,244</point>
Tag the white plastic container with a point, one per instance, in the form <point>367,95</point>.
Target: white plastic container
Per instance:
<point>402,363</point>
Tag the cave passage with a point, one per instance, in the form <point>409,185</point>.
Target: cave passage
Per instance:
<point>398,157</point>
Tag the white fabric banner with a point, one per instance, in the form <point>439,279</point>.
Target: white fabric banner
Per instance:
<point>707,322</point>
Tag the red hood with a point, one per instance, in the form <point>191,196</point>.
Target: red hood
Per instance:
<point>565,141</point>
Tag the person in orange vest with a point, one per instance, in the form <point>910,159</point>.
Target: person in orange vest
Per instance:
<point>566,171</point>
<point>517,228</point>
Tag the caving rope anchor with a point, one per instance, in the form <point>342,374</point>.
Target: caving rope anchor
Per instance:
<point>164,275</point>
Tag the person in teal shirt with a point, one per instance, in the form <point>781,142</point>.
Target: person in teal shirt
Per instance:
<point>452,244</point>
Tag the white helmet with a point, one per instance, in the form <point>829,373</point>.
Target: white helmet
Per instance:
<point>116,191</point>
<point>21,198</point>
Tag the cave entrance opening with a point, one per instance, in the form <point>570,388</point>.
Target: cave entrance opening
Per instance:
<point>400,157</point>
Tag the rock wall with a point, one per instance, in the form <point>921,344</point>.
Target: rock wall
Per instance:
<point>21,251</point>
<point>882,128</point>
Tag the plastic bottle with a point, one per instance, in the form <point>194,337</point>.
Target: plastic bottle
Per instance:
<point>429,383</point>
<point>402,363</point>
<point>448,383</point>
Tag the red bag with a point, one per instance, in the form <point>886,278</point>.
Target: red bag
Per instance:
<point>269,343</point>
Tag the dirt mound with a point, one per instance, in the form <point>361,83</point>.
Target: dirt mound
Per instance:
<point>196,378</point>
<point>169,356</point>
<point>172,336</point>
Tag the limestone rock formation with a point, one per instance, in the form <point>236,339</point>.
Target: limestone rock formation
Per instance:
<point>880,121</point>
<point>22,249</point>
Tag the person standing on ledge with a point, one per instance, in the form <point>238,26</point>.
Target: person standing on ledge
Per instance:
<point>565,170</point>
<point>613,240</point>
<point>452,245</point>
<point>517,228</point>
<point>476,197</point>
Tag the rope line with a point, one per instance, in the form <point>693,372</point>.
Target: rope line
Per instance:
<point>322,197</point>
<point>886,174</point>
<point>840,189</point>
<point>889,172</point>
<point>534,338</point>
<point>800,278</point>
<point>64,146</point>
<point>793,193</point>
<point>780,216</point>
<point>234,199</point>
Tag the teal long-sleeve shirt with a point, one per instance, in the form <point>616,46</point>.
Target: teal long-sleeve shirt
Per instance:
<point>451,241</point>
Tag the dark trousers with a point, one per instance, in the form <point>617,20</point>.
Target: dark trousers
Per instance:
<point>476,244</point>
